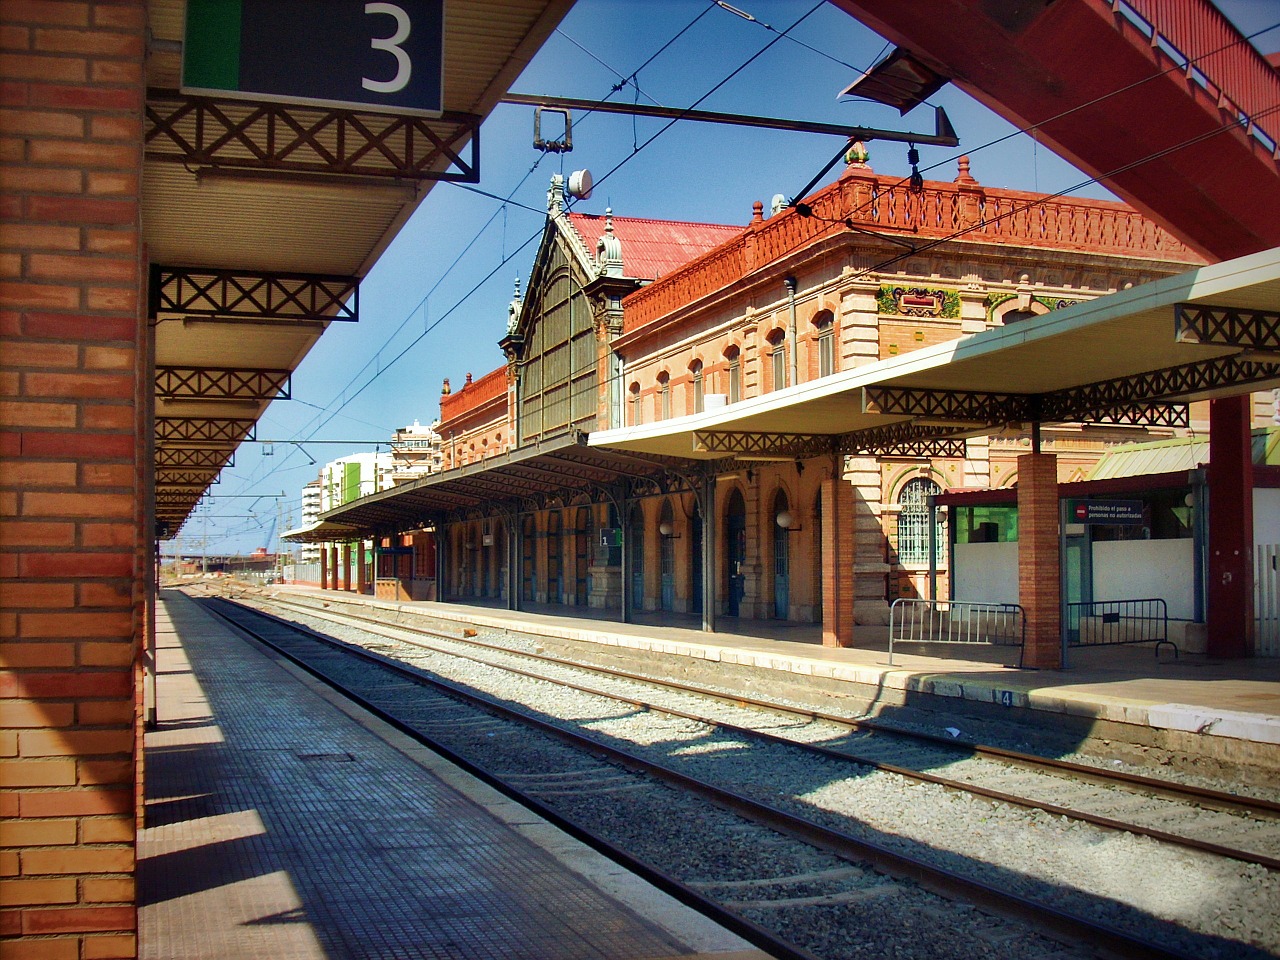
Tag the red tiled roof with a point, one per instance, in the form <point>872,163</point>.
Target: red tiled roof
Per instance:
<point>651,248</point>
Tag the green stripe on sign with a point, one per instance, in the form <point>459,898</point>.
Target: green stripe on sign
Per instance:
<point>211,50</point>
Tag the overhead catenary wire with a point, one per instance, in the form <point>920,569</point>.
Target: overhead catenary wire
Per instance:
<point>637,148</point>
<point>319,423</point>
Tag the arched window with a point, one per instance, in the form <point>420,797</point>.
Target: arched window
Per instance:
<point>634,393</point>
<point>734,356</point>
<point>825,338</point>
<point>913,523</point>
<point>777,360</point>
<point>664,396</point>
<point>695,375</point>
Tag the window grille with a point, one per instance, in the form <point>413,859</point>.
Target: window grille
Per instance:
<point>913,523</point>
<point>697,387</point>
<point>735,379</point>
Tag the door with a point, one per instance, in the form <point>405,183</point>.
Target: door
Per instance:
<point>667,559</point>
<point>695,561</point>
<point>528,560</point>
<point>781,561</point>
<point>555,558</point>
<point>583,538</point>
<point>735,542</point>
<point>635,546</point>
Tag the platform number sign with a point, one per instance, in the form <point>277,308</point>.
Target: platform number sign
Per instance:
<point>1004,698</point>
<point>386,56</point>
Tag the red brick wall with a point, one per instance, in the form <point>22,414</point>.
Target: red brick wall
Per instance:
<point>71,500</point>
<point>1039,580</point>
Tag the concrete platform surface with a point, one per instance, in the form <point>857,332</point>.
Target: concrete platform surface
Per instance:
<point>1229,708</point>
<point>283,823</point>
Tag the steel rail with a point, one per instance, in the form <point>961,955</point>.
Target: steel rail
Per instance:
<point>1202,796</point>
<point>962,786</point>
<point>751,932</point>
<point>944,882</point>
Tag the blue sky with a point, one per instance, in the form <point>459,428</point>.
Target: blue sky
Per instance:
<point>435,304</point>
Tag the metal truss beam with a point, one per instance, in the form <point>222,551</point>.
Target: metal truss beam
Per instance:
<point>194,459</point>
<point>1064,408</point>
<point>212,383</point>
<point>901,440</point>
<point>1111,402</point>
<point>1209,325</point>
<point>193,431</point>
<point>1172,385</point>
<point>248,135</point>
<point>745,444</point>
<point>252,295</point>
<point>948,406</point>
<point>182,477</point>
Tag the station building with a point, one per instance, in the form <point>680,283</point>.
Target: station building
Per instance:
<point>869,269</point>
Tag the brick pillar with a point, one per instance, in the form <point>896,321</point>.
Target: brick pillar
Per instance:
<point>324,567</point>
<point>73,355</point>
<point>346,567</point>
<point>837,562</point>
<point>362,579</point>
<point>1039,575</point>
<point>333,567</point>
<point>1229,611</point>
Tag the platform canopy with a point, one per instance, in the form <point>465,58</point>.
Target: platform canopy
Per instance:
<point>1133,357</point>
<point>530,477</point>
<point>261,217</point>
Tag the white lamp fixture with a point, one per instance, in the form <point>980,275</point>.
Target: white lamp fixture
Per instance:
<point>665,528</point>
<point>786,521</point>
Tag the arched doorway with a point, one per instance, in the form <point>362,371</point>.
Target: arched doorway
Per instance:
<point>584,530</point>
<point>635,551</point>
<point>667,558</point>
<point>735,543</point>
<point>781,557</point>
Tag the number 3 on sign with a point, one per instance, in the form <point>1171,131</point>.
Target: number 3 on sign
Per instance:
<point>391,44</point>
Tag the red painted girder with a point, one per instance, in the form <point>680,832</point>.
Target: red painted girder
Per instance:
<point>1030,61</point>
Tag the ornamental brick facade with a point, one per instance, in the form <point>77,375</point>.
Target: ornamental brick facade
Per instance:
<point>873,271</point>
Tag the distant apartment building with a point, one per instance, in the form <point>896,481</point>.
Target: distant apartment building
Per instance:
<point>415,452</point>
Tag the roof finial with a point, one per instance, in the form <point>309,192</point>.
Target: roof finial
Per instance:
<point>608,220</point>
<point>963,175</point>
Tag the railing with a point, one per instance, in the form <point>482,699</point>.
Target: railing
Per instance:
<point>1199,38</point>
<point>956,621</point>
<point>1266,601</point>
<point>887,204</point>
<point>1108,622</point>
<point>493,384</point>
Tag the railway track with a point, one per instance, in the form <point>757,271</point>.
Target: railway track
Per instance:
<point>852,879</point>
<point>1243,828</point>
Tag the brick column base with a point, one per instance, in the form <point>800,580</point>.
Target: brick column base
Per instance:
<point>1039,573</point>
<point>837,562</point>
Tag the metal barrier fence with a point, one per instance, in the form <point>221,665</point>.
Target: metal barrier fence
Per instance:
<point>956,621</point>
<point>1107,622</point>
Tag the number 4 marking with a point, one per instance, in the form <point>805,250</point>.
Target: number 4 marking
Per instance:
<point>391,44</point>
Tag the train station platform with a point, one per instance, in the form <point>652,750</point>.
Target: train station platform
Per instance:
<point>1121,699</point>
<point>284,823</point>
